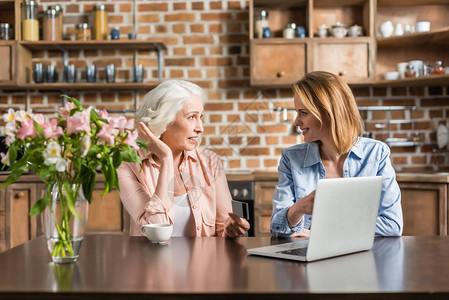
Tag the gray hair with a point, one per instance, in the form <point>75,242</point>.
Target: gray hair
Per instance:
<point>160,105</point>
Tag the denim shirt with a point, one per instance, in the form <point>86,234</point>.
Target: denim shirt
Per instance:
<point>300,169</point>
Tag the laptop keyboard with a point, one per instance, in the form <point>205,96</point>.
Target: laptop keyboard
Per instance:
<point>297,251</point>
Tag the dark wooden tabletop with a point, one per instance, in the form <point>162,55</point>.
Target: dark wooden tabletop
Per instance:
<point>121,267</point>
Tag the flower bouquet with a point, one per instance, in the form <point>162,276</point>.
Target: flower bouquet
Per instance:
<point>66,153</point>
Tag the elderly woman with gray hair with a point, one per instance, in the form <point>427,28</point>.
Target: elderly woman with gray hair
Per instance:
<point>177,182</point>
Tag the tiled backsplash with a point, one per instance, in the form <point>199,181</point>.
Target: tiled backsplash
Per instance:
<point>207,43</point>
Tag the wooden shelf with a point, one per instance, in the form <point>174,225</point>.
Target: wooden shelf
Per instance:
<point>94,45</point>
<point>83,86</point>
<point>438,36</point>
<point>432,80</point>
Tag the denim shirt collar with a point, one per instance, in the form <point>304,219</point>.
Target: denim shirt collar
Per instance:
<point>313,153</point>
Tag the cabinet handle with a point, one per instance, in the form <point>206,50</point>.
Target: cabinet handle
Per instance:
<point>19,195</point>
<point>280,74</point>
<point>342,73</point>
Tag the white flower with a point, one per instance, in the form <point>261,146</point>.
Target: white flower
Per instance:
<point>5,158</point>
<point>61,165</point>
<point>22,115</point>
<point>52,153</point>
<point>10,116</point>
<point>85,145</point>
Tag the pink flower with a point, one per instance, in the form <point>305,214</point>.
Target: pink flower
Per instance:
<point>79,122</point>
<point>26,129</point>
<point>65,111</point>
<point>39,118</point>
<point>103,114</point>
<point>108,134</point>
<point>51,130</point>
<point>131,139</point>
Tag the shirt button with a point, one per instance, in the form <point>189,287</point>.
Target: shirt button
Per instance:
<point>194,206</point>
<point>198,227</point>
<point>277,227</point>
<point>346,171</point>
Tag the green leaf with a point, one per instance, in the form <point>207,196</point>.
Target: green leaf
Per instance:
<point>88,181</point>
<point>129,155</point>
<point>12,177</point>
<point>142,144</point>
<point>38,128</point>
<point>39,206</point>
<point>75,101</point>
<point>116,159</point>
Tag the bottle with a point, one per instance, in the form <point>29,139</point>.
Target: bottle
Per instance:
<point>52,31</point>
<point>261,22</point>
<point>83,32</point>
<point>100,22</point>
<point>30,24</point>
<point>438,68</point>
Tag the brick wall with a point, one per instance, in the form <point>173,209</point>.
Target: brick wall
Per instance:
<point>207,43</point>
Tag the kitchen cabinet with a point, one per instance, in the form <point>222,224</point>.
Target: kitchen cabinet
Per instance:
<point>426,46</point>
<point>263,206</point>
<point>16,67</point>
<point>106,213</point>
<point>280,62</point>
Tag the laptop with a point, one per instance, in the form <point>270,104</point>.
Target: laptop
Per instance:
<point>343,221</point>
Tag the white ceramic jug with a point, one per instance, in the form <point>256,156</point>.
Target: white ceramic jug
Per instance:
<point>386,29</point>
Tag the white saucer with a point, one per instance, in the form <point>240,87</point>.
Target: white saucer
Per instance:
<point>442,136</point>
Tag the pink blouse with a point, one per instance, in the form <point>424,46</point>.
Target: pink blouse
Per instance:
<point>204,179</point>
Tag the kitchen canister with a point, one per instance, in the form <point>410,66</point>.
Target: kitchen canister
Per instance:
<point>30,23</point>
<point>100,22</point>
<point>6,31</point>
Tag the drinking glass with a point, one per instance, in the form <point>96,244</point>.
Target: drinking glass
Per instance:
<point>110,73</point>
<point>138,73</point>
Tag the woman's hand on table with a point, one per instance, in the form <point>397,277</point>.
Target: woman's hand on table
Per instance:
<point>235,226</point>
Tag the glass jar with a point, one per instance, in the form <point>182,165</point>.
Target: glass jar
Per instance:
<point>100,22</point>
<point>59,11</point>
<point>30,24</point>
<point>83,32</point>
<point>261,21</point>
<point>6,31</point>
<point>52,30</point>
<point>438,68</point>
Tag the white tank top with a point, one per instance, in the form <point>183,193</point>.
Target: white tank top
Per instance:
<point>184,224</point>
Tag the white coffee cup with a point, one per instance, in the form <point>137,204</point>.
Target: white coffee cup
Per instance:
<point>419,67</point>
<point>402,66</point>
<point>422,26</point>
<point>398,30</point>
<point>157,233</point>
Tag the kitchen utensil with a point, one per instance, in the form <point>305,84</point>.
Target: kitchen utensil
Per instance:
<point>138,73</point>
<point>51,74</point>
<point>157,233</point>
<point>355,30</point>
<point>402,66</point>
<point>398,30</point>
<point>91,73</point>
<point>70,73</point>
<point>339,30</point>
<point>323,31</point>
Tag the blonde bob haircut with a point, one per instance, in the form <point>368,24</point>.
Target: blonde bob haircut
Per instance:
<point>328,97</point>
<point>161,104</point>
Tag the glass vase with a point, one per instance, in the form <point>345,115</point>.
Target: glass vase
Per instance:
<point>64,221</point>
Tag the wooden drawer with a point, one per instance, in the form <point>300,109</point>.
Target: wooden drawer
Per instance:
<point>105,213</point>
<point>278,63</point>
<point>353,61</point>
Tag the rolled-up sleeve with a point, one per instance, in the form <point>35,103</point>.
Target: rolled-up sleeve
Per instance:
<point>389,219</point>
<point>143,206</point>
<point>283,199</point>
<point>223,197</point>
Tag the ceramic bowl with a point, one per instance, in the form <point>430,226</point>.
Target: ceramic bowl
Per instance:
<point>391,75</point>
<point>422,26</point>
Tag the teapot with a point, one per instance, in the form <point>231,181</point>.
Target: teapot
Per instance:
<point>355,30</point>
<point>386,29</point>
<point>322,31</point>
<point>339,30</point>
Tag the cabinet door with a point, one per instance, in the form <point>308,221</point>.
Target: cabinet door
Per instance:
<point>263,207</point>
<point>106,213</point>
<point>424,207</point>
<point>353,61</point>
<point>280,62</point>
<point>19,226</point>
<point>2,220</point>
<point>5,66</point>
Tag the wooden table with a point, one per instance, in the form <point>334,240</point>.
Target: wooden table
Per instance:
<point>118,267</point>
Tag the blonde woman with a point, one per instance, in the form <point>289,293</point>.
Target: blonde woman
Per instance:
<point>331,126</point>
<point>177,182</point>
